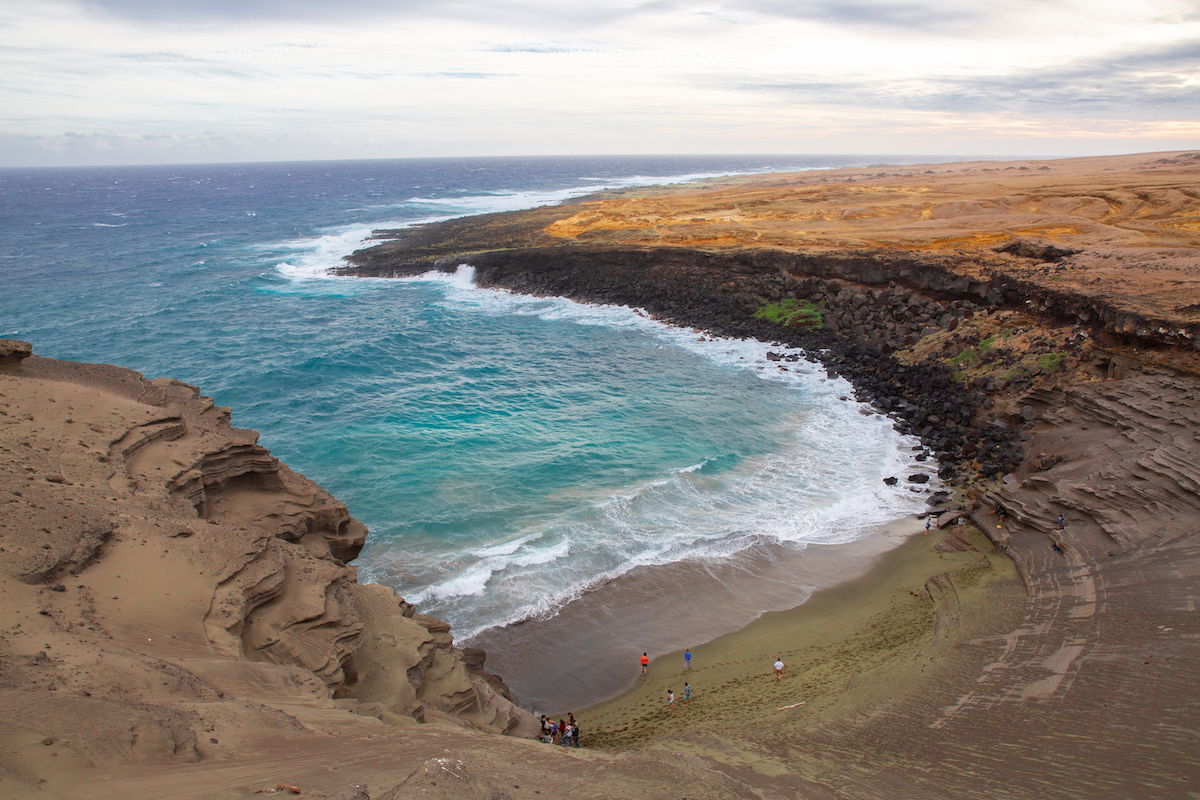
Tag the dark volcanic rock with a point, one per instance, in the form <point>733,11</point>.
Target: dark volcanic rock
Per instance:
<point>880,296</point>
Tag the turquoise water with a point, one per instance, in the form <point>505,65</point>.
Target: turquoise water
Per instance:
<point>507,452</point>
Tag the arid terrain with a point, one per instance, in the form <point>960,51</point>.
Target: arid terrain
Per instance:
<point>180,620</point>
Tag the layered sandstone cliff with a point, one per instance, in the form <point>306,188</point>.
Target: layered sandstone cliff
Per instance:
<point>170,588</point>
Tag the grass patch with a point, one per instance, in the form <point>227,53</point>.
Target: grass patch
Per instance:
<point>965,358</point>
<point>793,313</point>
<point>1052,362</point>
<point>986,344</point>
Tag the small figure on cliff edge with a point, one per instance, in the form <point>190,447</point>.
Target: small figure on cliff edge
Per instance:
<point>645,659</point>
<point>1062,522</point>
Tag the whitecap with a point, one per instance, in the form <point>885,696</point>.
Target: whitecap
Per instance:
<point>319,255</point>
<point>823,484</point>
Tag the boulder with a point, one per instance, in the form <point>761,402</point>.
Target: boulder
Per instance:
<point>13,351</point>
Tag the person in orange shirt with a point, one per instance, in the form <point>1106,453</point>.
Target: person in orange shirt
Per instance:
<point>645,663</point>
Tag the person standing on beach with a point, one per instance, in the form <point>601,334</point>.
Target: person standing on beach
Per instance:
<point>645,663</point>
<point>687,693</point>
<point>670,699</point>
<point>779,667</point>
<point>687,659</point>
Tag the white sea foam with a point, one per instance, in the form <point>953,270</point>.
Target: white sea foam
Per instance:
<point>317,256</point>
<point>822,485</point>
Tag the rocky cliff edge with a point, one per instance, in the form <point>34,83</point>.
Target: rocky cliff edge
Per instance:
<point>171,589</point>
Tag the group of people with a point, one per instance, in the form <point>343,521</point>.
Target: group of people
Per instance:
<point>687,661</point>
<point>565,732</point>
<point>687,696</point>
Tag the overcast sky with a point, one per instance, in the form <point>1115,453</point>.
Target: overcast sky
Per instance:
<point>165,81</point>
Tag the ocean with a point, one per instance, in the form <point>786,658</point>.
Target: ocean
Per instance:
<point>510,454</point>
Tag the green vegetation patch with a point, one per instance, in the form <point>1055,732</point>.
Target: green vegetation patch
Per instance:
<point>966,357</point>
<point>1052,362</point>
<point>986,344</point>
<point>793,313</point>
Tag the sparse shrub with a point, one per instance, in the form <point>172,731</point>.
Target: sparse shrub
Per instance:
<point>1052,362</point>
<point>965,358</point>
<point>794,313</point>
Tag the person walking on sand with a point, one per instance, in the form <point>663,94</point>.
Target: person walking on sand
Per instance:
<point>645,663</point>
<point>670,699</point>
<point>927,526</point>
<point>687,693</point>
<point>779,667</point>
<point>687,659</point>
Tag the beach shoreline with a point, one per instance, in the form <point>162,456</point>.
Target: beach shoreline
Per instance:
<point>886,633</point>
<point>587,653</point>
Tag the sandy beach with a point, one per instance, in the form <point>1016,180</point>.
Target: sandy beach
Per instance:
<point>850,647</point>
<point>589,651</point>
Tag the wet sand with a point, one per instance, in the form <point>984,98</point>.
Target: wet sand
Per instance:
<point>589,651</point>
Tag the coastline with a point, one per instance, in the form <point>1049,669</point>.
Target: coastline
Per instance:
<point>588,651</point>
<point>1055,659</point>
<point>861,645</point>
<point>1008,321</point>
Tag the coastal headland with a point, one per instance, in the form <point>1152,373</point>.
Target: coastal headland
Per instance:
<point>179,618</point>
<point>1035,323</point>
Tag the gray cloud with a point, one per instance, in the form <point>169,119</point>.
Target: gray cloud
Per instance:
<point>163,58</point>
<point>234,11</point>
<point>1132,85</point>
<point>930,16</point>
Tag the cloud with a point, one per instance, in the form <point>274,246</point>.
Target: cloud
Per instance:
<point>521,12</point>
<point>927,16</point>
<point>1140,84</point>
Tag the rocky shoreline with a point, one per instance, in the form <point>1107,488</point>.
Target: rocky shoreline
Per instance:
<point>879,311</point>
<point>903,326</point>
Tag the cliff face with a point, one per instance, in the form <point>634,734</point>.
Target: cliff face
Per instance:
<point>167,582</point>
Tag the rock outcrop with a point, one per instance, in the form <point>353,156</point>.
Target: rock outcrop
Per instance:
<point>166,579</point>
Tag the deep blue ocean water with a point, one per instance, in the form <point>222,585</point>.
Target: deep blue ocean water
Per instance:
<point>507,452</point>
